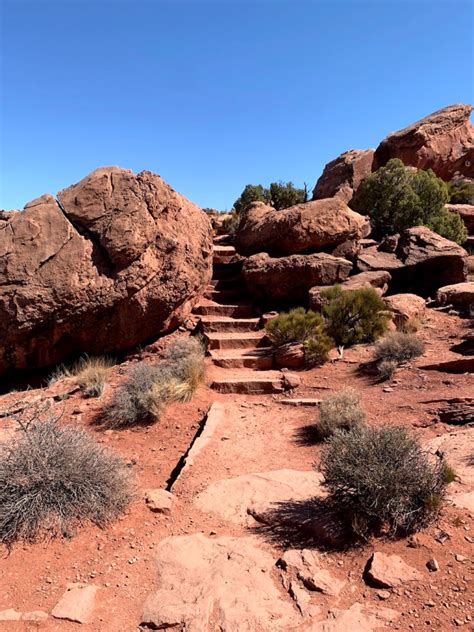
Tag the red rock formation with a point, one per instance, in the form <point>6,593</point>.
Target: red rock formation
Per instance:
<point>442,141</point>
<point>343,175</point>
<point>119,259</point>
<point>303,227</point>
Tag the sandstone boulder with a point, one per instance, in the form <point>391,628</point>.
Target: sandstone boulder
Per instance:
<point>290,278</point>
<point>117,259</point>
<point>216,584</point>
<point>342,176</point>
<point>290,356</point>
<point>442,141</point>
<point>309,568</point>
<point>465,212</point>
<point>423,262</point>
<point>405,308</point>
<point>379,280</point>
<point>77,603</point>
<point>460,295</point>
<point>302,228</point>
<point>388,571</point>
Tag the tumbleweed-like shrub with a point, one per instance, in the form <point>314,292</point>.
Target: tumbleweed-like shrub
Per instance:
<point>354,316</point>
<point>55,478</point>
<point>148,388</point>
<point>341,411</point>
<point>397,347</point>
<point>91,374</point>
<point>382,480</point>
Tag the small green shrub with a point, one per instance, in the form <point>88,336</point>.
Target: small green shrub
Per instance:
<point>280,195</point>
<point>317,347</point>
<point>399,346</point>
<point>148,388</point>
<point>449,225</point>
<point>381,479</point>
<point>354,316</point>
<point>297,325</point>
<point>460,192</point>
<point>54,478</point>
<point>341,411</point>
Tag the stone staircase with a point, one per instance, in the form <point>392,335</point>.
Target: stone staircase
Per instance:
<point>236,342</point>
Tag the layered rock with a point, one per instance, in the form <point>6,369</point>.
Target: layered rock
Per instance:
<point>118,259</point>
<point>302,228</point>
<point>341,177</point>
<point>460,295</point>
<point>442,141</point>
<point>290,278</point>
<point>422,262</point>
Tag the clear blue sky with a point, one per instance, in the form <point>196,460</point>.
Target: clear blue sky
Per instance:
<point>214,95</point>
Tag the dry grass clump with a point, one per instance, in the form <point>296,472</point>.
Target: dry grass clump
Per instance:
<point>341,411</point>
<point>147,389</point>
<point>394,349</point>
<point>54,478</point>
<point>382,480</point>
<point>91,374</point>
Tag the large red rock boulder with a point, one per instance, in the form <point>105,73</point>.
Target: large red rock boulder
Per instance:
<point>460,295</point>
<point>301,228</point>
<point>378,280</point>
<point>343,175</point>
<point>422,262</point>
<point>118,259</point>
<point>289,278</point>
<point>442,141</point>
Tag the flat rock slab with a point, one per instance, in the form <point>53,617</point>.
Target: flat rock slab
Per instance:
<point>216,584</point>
<point>236,499</point>
<point>77,603</point>
<point>308,566</point>
<point>357,618</point>
<point>388,571</point>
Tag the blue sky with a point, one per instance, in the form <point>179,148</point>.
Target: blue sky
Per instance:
<point>215,95</point>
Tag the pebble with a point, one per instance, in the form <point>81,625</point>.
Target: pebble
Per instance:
<point>432,565</point>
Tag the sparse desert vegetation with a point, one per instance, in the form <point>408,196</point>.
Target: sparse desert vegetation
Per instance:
<point>54,477</point>
<point>394,349</point>
<point>382,479</point>
<point>339,412</point>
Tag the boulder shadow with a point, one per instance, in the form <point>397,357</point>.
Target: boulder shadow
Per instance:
<point>314,523</point>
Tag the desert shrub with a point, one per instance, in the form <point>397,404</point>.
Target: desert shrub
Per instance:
<point>386,369</point>
<point>381,479</point>
<point>341,411</point>
<point>354,316</point>
<point>397,197</point>
<point>399,346</point>
<point>58,373</point>
<point>54,478</point>
<point>148,388</point>
<point>91,374</point>
<point>317,347</point>
<point>460,192</point>
<point>411,326</point>
<point>297,325</point>
<point>280,195</point>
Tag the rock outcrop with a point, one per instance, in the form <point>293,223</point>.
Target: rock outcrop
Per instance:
<point>302,228</point>
<point>422,262</point>
<point>290,278</point>
<point>117,259</point>
<point>460,295</point>
<point>442,141</point>
<point>341,177</point>
<point>378,280</point>
<point>406,308</point>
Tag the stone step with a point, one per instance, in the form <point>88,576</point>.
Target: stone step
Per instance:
<point>231,282</point>
<point>226,323</point>
<point>303,401</point>
<point>226,270</point>
<point>259,359</point>
<point>223,296</point>
<point>236,340</point>
<point>235,310</point>
<point>225,260</point>
<point>248,382</point>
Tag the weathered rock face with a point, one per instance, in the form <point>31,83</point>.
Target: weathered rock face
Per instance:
<point>465,212</point>
<point>423,262</point>
<point>119,259</point>
<point>406,308</point>
<point>442,141</point>
<point>460,295</point>
<point>302,228</point>
<point>290,278</point>
<point>343,175</point>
